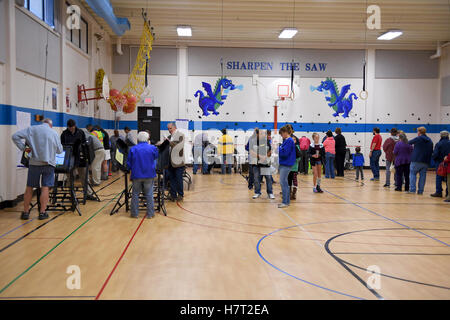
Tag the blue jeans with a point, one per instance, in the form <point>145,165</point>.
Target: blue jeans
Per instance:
<point>197,155</point>
<point>251,179</point>
<point>329,165</point>
<point>176,181</point>
<point>258,179</point>
<point>439,181</point>
<point>145,186</point>
<point>284,173</point>
<point>374,163</point>
<point>227,160</point>
<point>421,168</point>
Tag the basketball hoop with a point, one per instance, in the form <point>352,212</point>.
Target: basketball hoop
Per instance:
<point>119,101</point>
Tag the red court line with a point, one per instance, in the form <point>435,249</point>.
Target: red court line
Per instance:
<point>118,261</point>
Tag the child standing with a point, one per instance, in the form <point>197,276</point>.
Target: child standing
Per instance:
<point>292,178</point>
<point>316,154</point>
<point>358,163</point>
<point>330,154</point>
<point>286,154</point>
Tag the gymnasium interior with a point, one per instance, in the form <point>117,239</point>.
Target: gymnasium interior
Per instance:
<point>149,64</point>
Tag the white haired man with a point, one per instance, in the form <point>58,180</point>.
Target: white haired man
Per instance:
<point>43,143</point>
<point>141,161</point>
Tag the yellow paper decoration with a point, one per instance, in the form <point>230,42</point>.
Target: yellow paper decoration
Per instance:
<point>136,80</point>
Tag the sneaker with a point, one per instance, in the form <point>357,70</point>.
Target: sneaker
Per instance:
<point>315,190</point>
<point>43,215</point>
<point>282,205</point>
<point>436,195</point>
<point>387,185</point>
<point>398,189</point>
<point>25,215</point>
<point>134,217</point>
<point>447,200</point>
<point>374,179</point>
<point>150,216</point>
<point>319,190</point>
<point>271,196</point>
<point>420,193</point>
<point>256,195</point>
<point>411,192</point>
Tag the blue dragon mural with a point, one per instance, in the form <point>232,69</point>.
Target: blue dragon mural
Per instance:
<point>336,100</point>
<point>214,99</point>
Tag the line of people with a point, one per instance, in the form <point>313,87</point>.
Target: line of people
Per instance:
<point>409,158</point>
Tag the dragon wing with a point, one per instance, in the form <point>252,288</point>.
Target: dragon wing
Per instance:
<point>344,91</point>
<point>208,89</point>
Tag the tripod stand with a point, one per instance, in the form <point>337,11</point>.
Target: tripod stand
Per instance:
<point>125,195</point>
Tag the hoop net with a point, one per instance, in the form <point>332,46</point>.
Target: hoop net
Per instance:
<point>136,80</point>
<point>119,102</point>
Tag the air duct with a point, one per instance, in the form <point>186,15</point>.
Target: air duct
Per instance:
<point>438,52</point>
<point>104,9</point>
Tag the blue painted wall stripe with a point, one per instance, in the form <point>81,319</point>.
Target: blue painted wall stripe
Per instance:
<point>8,117</point>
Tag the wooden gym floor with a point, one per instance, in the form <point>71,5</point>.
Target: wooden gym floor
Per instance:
<point>220,244</point>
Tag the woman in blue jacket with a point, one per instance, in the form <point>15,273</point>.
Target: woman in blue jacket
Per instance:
<point>286,155</point>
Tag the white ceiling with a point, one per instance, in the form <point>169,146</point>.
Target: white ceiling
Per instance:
<point>257,23</point>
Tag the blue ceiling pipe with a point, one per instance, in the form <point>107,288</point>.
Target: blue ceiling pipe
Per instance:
<point>104,9</point>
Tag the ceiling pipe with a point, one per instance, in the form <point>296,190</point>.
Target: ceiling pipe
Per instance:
<point>119,46</point>
<point>104,9</point>
<point>438,52</point>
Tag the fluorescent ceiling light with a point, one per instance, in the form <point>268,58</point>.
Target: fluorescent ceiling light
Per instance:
<point>288,33</point>
<point>391,34</point>
<point>184,31</point>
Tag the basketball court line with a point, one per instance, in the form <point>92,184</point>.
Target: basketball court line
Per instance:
<point>388,219</point>
<point>38,227</point>
<point>118,261</point>
<point>54,247</point>
<point>48,297</point>
<point>14,229</point>
<point>342,261</point>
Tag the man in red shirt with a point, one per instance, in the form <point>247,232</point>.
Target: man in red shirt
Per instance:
<point>375,153</point>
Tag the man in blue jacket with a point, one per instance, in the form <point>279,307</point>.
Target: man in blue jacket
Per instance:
<point>441,149</point>
<point>286,157</point>
<point>420,160</point>
<point>141,161</point>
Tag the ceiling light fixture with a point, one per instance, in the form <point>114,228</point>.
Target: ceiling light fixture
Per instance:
<point>184,31</point>
<point>288,33</point>
<point>391,34</point>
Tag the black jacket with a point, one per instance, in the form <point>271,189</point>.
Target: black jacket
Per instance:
<point>441,149</point>
<point>341,145</point>
<point>75,140</point>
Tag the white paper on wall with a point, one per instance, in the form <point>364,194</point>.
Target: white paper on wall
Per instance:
<point>23,121</point>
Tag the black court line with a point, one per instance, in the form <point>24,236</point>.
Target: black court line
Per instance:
<point>30,232</point>
<point>345,264</point>
<point>397,253</point>
<point>41,225</point>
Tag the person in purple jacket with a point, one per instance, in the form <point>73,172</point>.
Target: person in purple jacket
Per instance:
<point>286,155</point>
<point>402,161</point>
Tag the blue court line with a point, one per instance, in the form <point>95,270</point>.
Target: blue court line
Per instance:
<point>16,228</point>
<point>312,223</point>
<point>389,219</point>
<point>291,275</point>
